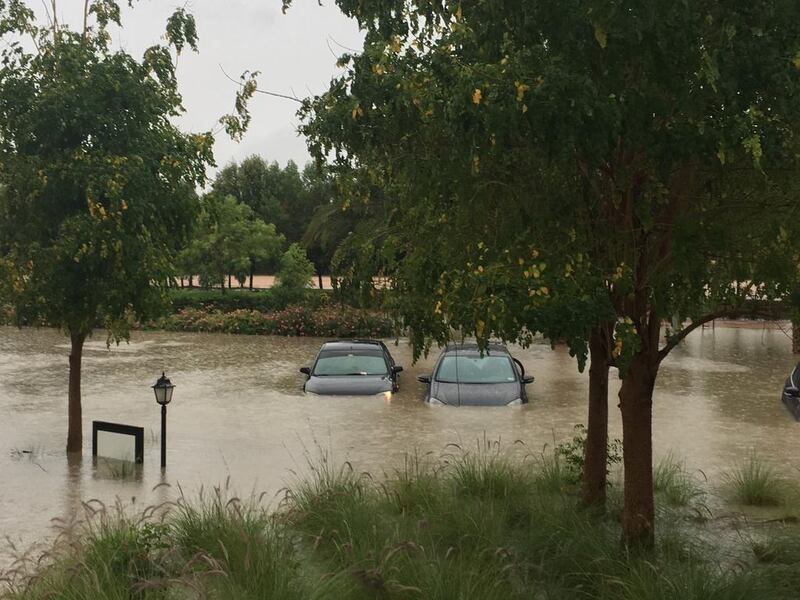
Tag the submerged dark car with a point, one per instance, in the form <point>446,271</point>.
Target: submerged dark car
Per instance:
<point>791,392</point>
<point>465,377</point>
<point>352,368</point>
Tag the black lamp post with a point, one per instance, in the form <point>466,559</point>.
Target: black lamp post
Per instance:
<point>163,389</point>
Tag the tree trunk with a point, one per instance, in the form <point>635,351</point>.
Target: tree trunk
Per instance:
<point>319,279</point>
<point>230,285</point>
<point>252,272</point>
<point>796,335</point>
<point>636,405</point>
<point>191,281</point>
<point>596,448</point>
<point>75,416</point>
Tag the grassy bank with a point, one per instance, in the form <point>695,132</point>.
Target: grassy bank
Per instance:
<point>474,525</point>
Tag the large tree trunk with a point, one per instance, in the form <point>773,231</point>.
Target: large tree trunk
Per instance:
<point>191,281</point>
<point>796,335</point>
<point>636,405</point>
<point>319,279</point>
<point>596,449</point>
<point>252,272</point>
<point>75,416</point>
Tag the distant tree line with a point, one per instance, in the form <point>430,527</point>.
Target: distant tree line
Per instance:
<point>254,210</point>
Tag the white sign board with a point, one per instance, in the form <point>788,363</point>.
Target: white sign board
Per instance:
<point>118,442</point>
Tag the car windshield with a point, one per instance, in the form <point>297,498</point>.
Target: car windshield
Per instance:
<point>475,369</point>
<point>350,362</point>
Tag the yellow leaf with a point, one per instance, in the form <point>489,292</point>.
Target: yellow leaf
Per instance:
<point>524,108</point>
<point>357,112</point>
<point>521,89</point>
<point>480,327</point>
<point>458,13</point>
<point>600,35</point>
<point>476,96</point>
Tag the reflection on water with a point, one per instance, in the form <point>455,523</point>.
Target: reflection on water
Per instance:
<point>238,411</point>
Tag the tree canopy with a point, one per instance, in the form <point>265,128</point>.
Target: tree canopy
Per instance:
<point>99,184</point>
<point>226,237</point>
<point>556,166</point>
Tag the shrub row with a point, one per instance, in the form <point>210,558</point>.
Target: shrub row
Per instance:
<point>262,300</point>
<point>328,321</point>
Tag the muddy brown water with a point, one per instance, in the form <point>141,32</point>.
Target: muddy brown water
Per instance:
<point>238,412</point>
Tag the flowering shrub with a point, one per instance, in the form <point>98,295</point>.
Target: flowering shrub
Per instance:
<point>329,321</point>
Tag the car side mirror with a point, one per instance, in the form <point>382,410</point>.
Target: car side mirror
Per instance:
<point>305,370</point>
<point>527,379</point>
<point>397,369</point>
<point>424,378</point>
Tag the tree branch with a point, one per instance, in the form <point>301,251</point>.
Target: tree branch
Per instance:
<point>725,313</point>
<point>275,94</point>
<point>679,337</point>
<point>85,19</point>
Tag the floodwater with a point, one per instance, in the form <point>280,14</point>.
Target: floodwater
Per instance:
<point>238,412</point>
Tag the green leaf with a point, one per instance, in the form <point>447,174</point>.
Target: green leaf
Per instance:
<point>600,35</point>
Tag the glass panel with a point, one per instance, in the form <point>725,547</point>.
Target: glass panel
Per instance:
<point>119,446</point>
<point>475,369</point>
<point>350,363</point>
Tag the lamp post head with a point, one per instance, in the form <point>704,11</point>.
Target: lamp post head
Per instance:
<point>163,389</point>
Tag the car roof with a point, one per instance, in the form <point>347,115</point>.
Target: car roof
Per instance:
<point>353,345</point>
<point>473,348</point>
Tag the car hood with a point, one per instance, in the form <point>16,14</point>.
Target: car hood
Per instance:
<point>361,385</point>
<point>476,394</point>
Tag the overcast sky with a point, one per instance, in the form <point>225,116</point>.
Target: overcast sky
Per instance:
<point>294,51</point>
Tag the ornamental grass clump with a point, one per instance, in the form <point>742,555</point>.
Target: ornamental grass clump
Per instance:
<point>754,483</point>
<point>237,545</point>
<point>673,482</point>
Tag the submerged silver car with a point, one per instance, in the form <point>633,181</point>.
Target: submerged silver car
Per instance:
<point>352,368</point>
<point>464,376</point>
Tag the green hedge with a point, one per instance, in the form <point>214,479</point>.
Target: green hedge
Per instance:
<point>233,299</point>
<point>328,321</point>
